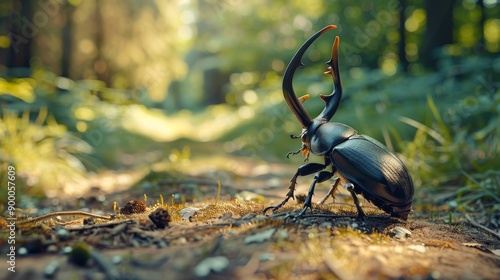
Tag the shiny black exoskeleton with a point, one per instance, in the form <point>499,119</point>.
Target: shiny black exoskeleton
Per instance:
<point>362,164</point>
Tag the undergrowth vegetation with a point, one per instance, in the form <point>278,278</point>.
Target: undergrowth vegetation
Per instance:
<point>453,156</point>
<point>43,153</point>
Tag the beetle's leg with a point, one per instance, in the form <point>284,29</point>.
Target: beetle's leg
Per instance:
<point>303,150</point>
<point>318,178</point>
<point>331,192</point>
<point>361,215</point>
<point>304,131</point>
<point>289,195</point>
<point>304,170</point>
<point>294,153</point>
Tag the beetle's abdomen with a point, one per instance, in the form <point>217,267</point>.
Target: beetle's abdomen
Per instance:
<point>376,173</point>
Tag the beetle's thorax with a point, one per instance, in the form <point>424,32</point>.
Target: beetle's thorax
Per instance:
<point>322,136</point>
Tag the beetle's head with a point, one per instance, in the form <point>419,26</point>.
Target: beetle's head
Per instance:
<point>295,104</point>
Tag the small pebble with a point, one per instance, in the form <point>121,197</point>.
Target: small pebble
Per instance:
<point>207,265</point>
<point>51,249</point>
<point>260,236</point>
<point>326,224</point>
<point>67,250</point>
<point>453,204</point>
<point>116,259</point>
<point>180,241</point>
<point>22,251</point>
<point>51,269</point>
<point>62,233</point>
<point>418,248</point>
<point>267,257</point>
<point>401,232</point>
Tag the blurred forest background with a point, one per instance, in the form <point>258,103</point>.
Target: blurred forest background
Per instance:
<point>87,86</point>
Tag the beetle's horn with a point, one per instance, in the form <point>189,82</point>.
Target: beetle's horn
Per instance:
<point>333,100</point>
<point>288,92</point>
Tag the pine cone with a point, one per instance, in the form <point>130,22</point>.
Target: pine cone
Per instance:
<point>160,218</point>
<point>133,207</point>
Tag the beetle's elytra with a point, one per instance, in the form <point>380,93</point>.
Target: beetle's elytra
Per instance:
<point>362,164</point>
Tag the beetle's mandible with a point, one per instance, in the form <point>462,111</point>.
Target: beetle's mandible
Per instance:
<point>362,164</point>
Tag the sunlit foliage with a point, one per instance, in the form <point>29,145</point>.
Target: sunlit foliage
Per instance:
<point>44,154</point>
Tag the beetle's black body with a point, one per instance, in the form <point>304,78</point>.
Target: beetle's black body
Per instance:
<point>362,164</point>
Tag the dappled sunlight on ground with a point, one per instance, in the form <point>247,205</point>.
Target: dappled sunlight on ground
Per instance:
<point>205,126</point>
<point>107,181</point>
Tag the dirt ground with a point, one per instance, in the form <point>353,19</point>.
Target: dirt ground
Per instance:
<point>226,236</point>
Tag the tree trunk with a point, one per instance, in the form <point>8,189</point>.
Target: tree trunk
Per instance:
<point>439,30</point>
<point>101,67</point>
<point>402,36</point>
<point>481,44</point>
<point>213,84</point>
<point>67,41</point>
<point>22,31</point>
<point>213,78</point>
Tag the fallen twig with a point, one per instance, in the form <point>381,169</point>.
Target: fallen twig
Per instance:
<point>106,225</point>
<point>62,213</point>
<point>476,224</point>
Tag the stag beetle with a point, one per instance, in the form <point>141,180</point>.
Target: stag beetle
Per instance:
<point>362,164</point>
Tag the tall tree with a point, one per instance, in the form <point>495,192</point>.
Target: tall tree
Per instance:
<point>402,36</point>
<point>481,42</point>
<point>100,64</point>
<point>67,41</point>
<point>214,79</point>
<point>22,31</point>
<point>439,31</point>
